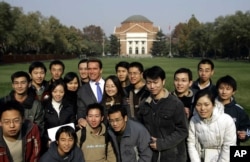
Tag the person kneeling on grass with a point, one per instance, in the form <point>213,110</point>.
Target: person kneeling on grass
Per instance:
<point>64,149</point>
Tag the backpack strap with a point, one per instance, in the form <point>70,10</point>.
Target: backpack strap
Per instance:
<point>83,136</point>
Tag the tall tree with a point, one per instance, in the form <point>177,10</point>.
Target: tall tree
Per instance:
<point>114,45</point>
<point>159,47</point>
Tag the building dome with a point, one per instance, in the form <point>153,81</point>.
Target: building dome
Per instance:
<point>137,18</point>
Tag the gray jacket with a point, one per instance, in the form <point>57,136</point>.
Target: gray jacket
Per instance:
<point>134,145</point>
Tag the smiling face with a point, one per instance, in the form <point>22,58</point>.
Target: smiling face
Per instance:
<point>204,107</point>
<point>182,83</point>
<point>11,122</point>
<point>72,85</point>
<point>20,85</point>
<point>94,118</point>
<point>94,71</point>
<point>38,75</point>
<point>65,143</point>
<point>225,92</point>
<point>58,93</point>
<point>122,74</point>
<point>83,70</point>
<point>110,88</point>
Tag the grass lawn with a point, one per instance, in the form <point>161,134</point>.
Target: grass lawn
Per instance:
<point>239,70</point>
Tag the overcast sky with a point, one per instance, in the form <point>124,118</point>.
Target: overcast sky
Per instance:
<point>110,13</point>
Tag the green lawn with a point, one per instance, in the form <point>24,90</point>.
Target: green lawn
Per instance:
<point>239,70</point>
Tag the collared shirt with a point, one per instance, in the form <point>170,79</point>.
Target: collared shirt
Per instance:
<point>205,86</point>
<point>93,86</point>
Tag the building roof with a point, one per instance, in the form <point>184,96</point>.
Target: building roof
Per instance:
<point>137,18</point>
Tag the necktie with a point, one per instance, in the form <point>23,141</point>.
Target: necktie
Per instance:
<point>99,92</point>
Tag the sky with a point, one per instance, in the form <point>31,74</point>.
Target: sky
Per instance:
<point>110,13</point>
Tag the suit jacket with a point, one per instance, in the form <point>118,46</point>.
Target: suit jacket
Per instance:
<point>85,96</point>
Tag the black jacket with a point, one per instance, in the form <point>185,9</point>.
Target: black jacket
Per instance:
<point>52,119</point>
<point>52,155</point>
<point>166,121</point>
<point>240,118</point>
<point>211,87</point>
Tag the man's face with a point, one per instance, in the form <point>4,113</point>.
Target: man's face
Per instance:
<point>117,122</point>
<point>56,71</point>
<point>65,143</point>
<point>94,71</point>
<point>11,122</point>
<point>134,75</point>
<point>205,72</point>
<point>83,70</point>
<point>225,91</point>
<point>94,118</point>
<point>122,74</point>
<point>38,75</point>
<point>182,83</point>
<point>155,86</point>
<point>20,85</point>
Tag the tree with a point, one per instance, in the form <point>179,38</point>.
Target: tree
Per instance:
<point>95,35</point>
<point>159,47</point>
<point>114,45</point>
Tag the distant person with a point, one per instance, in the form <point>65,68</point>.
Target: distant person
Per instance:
<point>227,87</point>
<point>211,131</point>
<point>72,85</point>
<point>137,90</point>
<point>19,138</point>
<point>182,83</point>
<point>93,139</point>
<point>56,68</point>
<point>205,72</point>
<point>131,139</point>
<point>83,71</point>
<point>121,69</point>
<point>25,96</point>
<point>91,92</point>
<point>37,71</point>
<point>64,149</point>
<point>164,117</point>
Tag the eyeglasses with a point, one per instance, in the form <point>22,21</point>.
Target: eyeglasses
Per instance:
<point>14,121</point>
<point>112,121</point>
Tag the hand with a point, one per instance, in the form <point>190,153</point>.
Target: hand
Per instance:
<point>187,112</point>
<point>82,122</point>
<point>153,143</point>
<point>242,134</point>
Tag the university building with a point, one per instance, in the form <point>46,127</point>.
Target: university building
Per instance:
<point>136,35</point>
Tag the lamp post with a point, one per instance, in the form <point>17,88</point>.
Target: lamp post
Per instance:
<point>103,41</point>
<point>170,53</point>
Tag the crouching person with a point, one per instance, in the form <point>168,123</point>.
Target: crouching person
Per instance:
<point>19,138</point>
<point>64,149</point>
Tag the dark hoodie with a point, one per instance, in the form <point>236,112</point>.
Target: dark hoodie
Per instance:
<point>52,155</point>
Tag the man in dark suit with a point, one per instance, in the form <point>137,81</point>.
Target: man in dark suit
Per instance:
<point>91,92</point>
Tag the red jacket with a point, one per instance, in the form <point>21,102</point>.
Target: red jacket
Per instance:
<point>30,140</point>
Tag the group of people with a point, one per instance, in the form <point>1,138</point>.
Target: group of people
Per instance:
<point>128,116</point>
